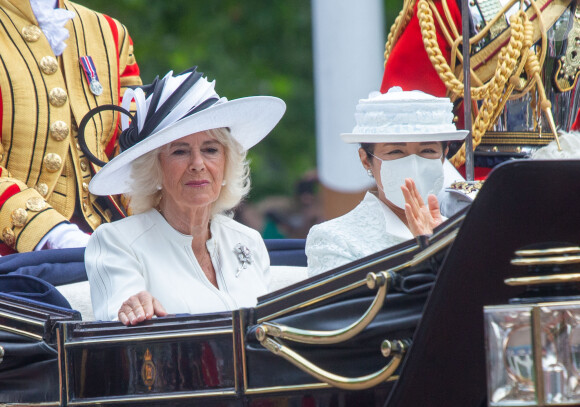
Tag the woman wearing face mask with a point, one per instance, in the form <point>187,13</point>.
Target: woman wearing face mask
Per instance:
<point>403,142</point>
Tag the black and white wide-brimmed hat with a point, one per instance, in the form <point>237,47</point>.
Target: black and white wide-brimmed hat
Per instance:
<point>176,107</point>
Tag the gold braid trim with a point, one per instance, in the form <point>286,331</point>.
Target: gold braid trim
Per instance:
<point>543,49</point>
<point>449,19</point>
<point>454,41</point>
<point>516,81</point>
<point>507,61</point>
<point>492,93</point>
<point>398,27</point>
<point>429,34</point>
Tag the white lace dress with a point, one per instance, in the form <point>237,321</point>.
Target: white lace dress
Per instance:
<point>367,229</point>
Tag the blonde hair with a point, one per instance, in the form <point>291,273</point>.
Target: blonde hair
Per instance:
<point>146,177</point>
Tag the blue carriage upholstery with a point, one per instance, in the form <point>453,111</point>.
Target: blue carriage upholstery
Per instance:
<point>57,267</point>
<point>32,289</point>
<point>34,275</point>
<point>286,252</point>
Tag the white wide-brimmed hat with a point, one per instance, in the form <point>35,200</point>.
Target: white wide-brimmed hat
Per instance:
<point>174,108</point>
<point>403,116</point>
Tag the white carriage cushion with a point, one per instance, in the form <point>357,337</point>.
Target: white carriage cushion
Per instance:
<point>79,297</point>
<point>283,276</point>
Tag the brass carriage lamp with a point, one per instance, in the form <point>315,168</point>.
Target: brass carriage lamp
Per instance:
<point>533,343</point>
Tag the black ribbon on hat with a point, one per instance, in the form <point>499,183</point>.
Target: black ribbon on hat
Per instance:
<point>154,116</point>
<point>81,132</point>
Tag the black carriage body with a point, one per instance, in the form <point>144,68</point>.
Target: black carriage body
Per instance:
<point>215,359</point>
<point>29,352</point>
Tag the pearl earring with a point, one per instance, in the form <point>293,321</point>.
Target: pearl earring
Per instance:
<point>370,173</point>
<point>159,187</point>
<point>224,182</point>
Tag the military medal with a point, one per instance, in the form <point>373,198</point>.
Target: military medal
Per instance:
<point>91,75</point>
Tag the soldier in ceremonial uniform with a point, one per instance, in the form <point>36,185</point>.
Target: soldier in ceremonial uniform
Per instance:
<point>58,60</point>
<point>514,109</point>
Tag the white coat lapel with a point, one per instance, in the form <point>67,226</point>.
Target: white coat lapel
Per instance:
<point>392,224</point>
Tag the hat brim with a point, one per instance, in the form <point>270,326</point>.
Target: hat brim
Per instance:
<point>403,137</point>
<point>248,119</point>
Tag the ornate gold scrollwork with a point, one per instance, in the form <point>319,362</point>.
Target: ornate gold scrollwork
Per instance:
<point>568,65</point>
<point>148,370</point>
<point>396,349</point>
<point>273,329</point>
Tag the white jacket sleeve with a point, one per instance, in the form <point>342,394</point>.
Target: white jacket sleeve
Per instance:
<point>113,270</point>
<point>326,250</point>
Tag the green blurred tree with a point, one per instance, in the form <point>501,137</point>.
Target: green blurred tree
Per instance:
<point>251,47</point>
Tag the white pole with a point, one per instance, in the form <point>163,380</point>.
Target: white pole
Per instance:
<point>348,45</point>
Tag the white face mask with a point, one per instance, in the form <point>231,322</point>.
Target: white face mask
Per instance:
<point>427,174</point>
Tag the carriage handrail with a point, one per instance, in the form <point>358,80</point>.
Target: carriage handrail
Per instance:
<point>374,280</point>
<point>396,349</point>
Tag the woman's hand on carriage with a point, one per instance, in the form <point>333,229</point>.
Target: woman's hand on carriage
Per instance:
<point>140,307</point>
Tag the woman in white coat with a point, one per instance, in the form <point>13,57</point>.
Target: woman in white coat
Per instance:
<point>406,158</point>
<point>183,168</point>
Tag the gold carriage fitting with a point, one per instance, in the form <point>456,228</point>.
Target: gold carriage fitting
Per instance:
<point>514,68</point>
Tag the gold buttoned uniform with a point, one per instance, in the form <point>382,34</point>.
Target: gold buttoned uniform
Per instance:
<point>44,175</point>
<point>48,65</point>
<point>31,33</point>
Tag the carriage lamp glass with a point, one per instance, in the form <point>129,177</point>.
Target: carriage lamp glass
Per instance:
<point>510,371</point>
<point>561,352</point>
<point>513,376</point>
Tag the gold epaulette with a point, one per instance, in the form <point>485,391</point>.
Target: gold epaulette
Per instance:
<point>517,138</point>
<point>467,188</point>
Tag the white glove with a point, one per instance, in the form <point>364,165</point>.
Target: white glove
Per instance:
<point>63,236</point>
